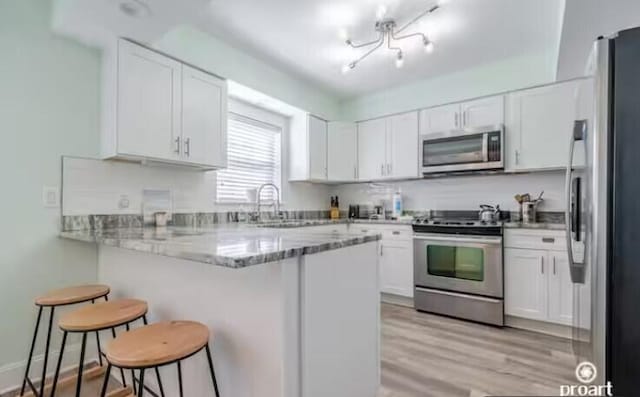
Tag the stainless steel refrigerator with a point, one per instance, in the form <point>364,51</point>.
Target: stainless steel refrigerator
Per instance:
<point>603,215</point>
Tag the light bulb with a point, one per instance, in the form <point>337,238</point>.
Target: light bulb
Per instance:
<point>343,33</point>
<point>347,68</point>
<point>381,12</point>
<point>399,60</point>
<point>428,46</point>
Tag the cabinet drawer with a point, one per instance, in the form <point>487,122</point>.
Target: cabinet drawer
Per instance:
<point>553,240</point>
<point>389,232</point>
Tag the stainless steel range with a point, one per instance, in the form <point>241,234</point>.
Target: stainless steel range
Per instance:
<point>458,269</point>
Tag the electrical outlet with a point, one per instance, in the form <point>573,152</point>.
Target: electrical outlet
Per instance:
<point>124,202</point>
<point>50,196</point>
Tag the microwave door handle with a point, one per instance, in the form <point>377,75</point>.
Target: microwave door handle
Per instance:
<point>485,147</point>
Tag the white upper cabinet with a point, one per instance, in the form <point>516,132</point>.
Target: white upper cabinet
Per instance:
<point>388,147</point>
<point>483,112</point>
<point>156,108</point>
<point>372,149</point>
<point>342,151</point>
<point>539,125</point>
<point>148,103</point>
<point>402,146</point>
<point>476,113</point>
<point>439,119</point>
<point>204,118</point>
<point>317,148</point>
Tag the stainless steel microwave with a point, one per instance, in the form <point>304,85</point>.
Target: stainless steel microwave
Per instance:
<point>469,149</point>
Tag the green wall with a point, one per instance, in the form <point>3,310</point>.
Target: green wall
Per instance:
<point>505,75</point>
<point>208,52</point>
<point>48,108</point>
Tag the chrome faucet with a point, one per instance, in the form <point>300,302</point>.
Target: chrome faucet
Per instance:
<point>276,201</point>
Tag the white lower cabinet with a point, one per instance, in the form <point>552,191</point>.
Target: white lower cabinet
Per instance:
<point>396,268</point>
<point>537,279</point>
<point>396,257</point>
<point>525,285</point>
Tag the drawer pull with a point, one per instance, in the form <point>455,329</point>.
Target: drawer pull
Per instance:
<point>395,232</point>
<point>548,240</point>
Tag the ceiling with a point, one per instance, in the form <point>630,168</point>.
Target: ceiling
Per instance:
<point>303,36</point>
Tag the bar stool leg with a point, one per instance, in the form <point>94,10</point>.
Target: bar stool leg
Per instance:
<point>213,374</point>
<point>141,383</point>
<point>180,378</point>
<point>124,380</point>
<point>93,301</point>
<point>103,393</point>
<point>80,369</point>
<point>46,352</point>
<point>57,374</point>
<point>133,374</point>
<point>33,344</point>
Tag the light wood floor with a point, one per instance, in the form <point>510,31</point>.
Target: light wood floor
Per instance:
<point>428,355</point>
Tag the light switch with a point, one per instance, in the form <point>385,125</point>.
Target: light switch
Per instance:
<point>50,196</point>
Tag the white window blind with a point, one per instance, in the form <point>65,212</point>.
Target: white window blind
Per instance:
<point>253,158</point>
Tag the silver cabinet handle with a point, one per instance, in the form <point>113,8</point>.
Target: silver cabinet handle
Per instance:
<point>381,250</point>
<point>548,240</point>
<point>388,169</point>
<point>381,169</point>
<point>554,265</point>
<point>464,118</point>
<point>542,264</point>
<point>456,119</point>
<point>177,141</point>
<point>395,232</point>
<point>517,157</point>
<point>187,147</point>
<point>355,172</point>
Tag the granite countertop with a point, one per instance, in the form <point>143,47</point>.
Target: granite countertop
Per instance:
<point>322,222</point>
<point>233,246</point>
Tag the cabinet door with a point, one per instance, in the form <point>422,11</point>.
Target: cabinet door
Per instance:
<point>396,268</point>
<point>402,146</point>
<point>148,110</point>
<point>483,112</point>
<point>317,148</point>
<point>342,151</point>
<point>439,119</point>
<point>372,137</point>
<point>525,283</point>
<point>204,118</point>
<point>560,290</point>
<point>536,117</point>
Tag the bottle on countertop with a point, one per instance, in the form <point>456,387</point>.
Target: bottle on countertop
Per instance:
<point>335,208</point>
<point>397,204</point>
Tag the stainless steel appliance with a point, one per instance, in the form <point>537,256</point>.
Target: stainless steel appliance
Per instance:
<point>603,216</point>
<point>458,268</point>
<point>470,149</point>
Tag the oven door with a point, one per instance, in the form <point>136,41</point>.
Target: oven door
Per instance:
<point>460,263</point>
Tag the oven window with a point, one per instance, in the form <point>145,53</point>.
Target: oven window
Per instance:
<point>454,150</point>
<point>456,262</point>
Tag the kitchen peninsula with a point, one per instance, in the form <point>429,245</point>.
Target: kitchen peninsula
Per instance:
<point>292,311</point>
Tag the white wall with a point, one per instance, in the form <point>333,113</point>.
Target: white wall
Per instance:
<point>462,192</point>
<point>584,21</point>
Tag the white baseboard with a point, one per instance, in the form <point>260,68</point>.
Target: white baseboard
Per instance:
<point>396,299</point>
<point>11,374</point>
<point>542,327</point>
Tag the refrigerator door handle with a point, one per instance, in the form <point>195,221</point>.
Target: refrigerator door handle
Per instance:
<point>573,192</point>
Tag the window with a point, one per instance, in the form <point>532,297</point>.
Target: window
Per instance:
<point>253,158</point>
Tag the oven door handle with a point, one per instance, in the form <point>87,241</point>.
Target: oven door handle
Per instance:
<point>485,148</point>
<point>473,240</point>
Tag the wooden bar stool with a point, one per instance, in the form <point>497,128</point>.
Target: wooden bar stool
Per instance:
<point>95,318</point>
<point>157,345</point>
<point>53,299</point>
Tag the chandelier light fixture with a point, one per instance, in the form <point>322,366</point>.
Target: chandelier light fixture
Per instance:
<point>389,33</point>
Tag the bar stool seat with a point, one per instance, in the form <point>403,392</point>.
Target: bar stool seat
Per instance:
<point>157,344</point>
<point>71,295</point>
<point>103,315</point>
